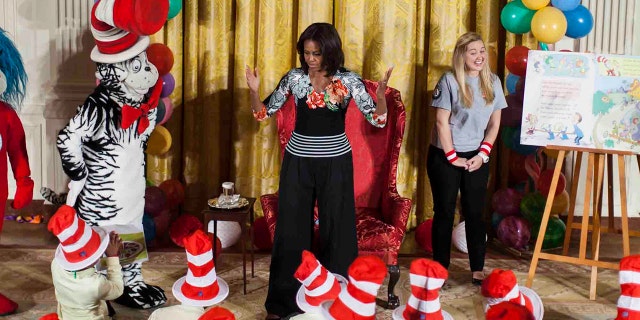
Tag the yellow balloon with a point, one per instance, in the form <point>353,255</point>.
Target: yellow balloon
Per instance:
<point>548,25</point>
<point>535,4</point>
<point>560,203</point>
<point>159,141</point>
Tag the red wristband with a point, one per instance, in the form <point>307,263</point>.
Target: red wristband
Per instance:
<point>486,147</point>
<point>451,156</point>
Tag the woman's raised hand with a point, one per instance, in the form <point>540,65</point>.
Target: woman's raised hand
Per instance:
<point>382,84</point>
<point>252,78</point>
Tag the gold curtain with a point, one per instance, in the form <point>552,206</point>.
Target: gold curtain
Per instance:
<point>215,136</point>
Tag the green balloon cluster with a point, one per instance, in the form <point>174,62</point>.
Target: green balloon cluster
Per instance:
<point>532,207</point>
<point>553,236</point>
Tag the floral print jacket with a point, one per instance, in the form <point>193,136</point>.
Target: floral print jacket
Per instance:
<point>344,86</point>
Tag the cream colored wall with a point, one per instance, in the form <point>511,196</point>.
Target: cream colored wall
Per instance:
<point>54,41</point>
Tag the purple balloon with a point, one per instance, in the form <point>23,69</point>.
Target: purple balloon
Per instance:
<point>506,202</point>
<point>514,232</point>
<point>168,84</point>
<point>512,115</point>
<point>154,200</point>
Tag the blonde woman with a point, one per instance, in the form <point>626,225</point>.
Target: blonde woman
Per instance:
<point>468,102</point>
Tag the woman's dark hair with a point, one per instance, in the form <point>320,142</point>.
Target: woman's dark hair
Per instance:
<point>327,37</point>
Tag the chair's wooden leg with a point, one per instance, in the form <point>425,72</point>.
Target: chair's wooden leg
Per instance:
<point>394,276</point>
<point>572,202</point>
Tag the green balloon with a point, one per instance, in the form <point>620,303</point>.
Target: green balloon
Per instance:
<point>507,136</point>
<point>516,18</point>
<point>174,8</point>
<point>532,207</point>
<point>554,236</point>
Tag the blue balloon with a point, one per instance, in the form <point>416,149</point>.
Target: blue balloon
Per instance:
<point>579,22</point>
<point>522,149</point>
<point>149,227</point>
<point>511,82</point>
<point>565,5</point>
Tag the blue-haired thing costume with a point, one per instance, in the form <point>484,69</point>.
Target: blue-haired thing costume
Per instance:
<point>12,138</point>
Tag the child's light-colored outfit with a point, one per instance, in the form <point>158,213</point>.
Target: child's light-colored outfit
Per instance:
<point>81,294</point>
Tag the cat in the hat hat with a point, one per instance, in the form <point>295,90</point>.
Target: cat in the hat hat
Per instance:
<point>318,284</point>
<point>629,300</point>
<point>358,300</point>
<point>102,147</point>
<point>507,310</point>
<point>201,287</point>
<point>82,291</point>
<point>426,277</point>
<point>502,285</point>
<point>13,147</point>
<point>218,313</point>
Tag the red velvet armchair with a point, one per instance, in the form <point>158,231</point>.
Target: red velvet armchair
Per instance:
<point>381,213</point>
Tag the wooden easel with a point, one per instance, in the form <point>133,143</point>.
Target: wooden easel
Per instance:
<point>595,162</point>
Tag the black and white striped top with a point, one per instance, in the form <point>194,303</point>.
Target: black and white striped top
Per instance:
<point>318,146</point>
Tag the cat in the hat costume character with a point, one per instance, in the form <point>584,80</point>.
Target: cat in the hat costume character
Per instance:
<point>13,80</point>
<point>201,287</point>
<point>102,147</point>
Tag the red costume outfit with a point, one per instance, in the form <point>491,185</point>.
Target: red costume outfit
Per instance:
<point>13,144</point>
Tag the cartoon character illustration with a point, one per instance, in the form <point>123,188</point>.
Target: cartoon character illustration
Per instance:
<point>563,133</point>
<point>550,62</point>
<point>102,147</point>
<point>608,142</point>
<point>610,70</point>
<point>634,90</point>
<point>602,103</point>
<point>577,118</point>
<point>13,146</point>
<point>636,135</point>
<point>531,120</point>
<point>549,131</point>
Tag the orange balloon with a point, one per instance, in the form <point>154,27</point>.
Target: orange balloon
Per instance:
<point>548,25</point>
<point>159,141</point>
<point>560,203</point>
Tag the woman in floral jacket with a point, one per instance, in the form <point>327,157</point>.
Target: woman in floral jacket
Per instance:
<point>317,163</point>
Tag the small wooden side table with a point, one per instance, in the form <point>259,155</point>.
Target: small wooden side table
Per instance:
<point>239,215</point>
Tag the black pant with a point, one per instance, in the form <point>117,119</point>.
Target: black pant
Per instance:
<point>446,179</point>
<point>302,181</point>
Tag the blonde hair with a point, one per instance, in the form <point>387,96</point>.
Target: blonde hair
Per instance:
<point>460,70</point>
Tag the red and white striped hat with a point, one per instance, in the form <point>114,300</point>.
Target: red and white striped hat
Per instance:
<point>200,287</point>
<point>502,285</point>
<point>80,245</point>
<point>218,313</point>
<point>426,277</point>
<point>507,310</point>
<point>629,301</point>
<point>358,300</point>
<point>121,27</point>
<point>318,284</point>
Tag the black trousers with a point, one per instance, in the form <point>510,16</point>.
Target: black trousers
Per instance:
<point>446,180</point>
<point>303,181</point>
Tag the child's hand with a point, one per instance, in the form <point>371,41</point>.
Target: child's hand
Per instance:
<point>115,243</point>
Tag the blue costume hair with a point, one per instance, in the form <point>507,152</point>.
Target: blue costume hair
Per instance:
<point>12,67</point>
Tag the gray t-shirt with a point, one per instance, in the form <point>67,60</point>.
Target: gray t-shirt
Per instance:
<point>467,124</point>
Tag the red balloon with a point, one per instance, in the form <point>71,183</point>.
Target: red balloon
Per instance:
<point>162,221</point>
<point>423,235</point>
<point>517,170</point>
<point>161,57</point>
<point>155,200</point>
<point>514,232</point>
<point>261,236</point>
<point>544,183</point>
<point>174,190</point>
<point>182,227</point>
<point>516,60</point>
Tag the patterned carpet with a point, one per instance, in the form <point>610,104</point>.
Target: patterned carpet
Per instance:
<point>26,278</point>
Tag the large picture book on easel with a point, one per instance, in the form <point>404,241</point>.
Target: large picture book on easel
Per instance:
<point>582,100</point>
